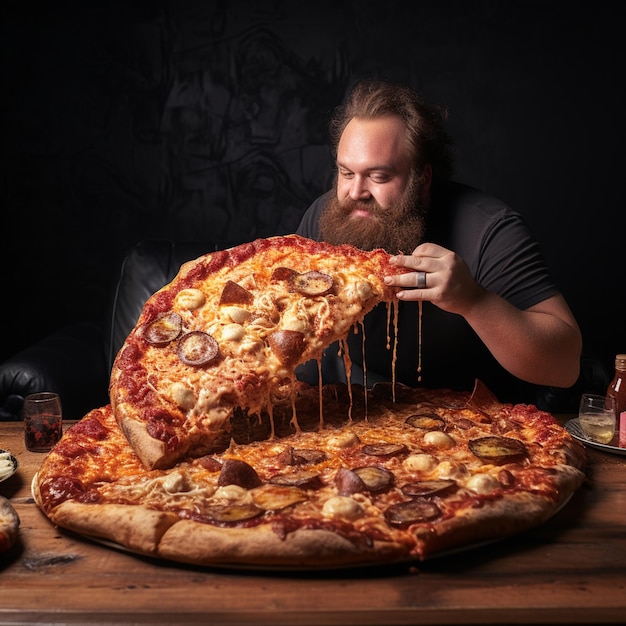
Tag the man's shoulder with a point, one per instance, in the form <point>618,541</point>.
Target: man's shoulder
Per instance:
<point>309,224</point>
<point>462,218</point>
<point>459,206</point>
<point>458,196</point>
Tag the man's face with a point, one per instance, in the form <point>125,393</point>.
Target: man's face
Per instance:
<point>377,201</point>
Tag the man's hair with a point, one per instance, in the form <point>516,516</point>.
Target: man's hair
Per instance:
<point>428,140</point>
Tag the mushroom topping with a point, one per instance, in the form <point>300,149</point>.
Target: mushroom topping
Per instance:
<point>301,456</point>
<point>197,348</point>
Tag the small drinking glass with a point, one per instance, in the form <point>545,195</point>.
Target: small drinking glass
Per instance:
<point>596,416</point>
<point>43,421</point>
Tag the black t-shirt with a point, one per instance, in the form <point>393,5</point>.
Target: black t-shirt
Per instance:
<point>503,257</point>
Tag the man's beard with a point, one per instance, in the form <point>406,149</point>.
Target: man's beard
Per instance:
<point>397,229</point>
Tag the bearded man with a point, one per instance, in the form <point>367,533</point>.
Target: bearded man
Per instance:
<point>491,309</point>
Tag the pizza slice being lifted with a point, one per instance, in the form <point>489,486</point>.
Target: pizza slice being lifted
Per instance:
<point>228,332</point>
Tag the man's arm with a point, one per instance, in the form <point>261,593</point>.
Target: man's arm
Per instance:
<point>541,345</point>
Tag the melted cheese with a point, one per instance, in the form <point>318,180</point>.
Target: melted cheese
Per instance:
<point>190,299</point>
<point>420,462</point>
<point>482,483</point>
<point>439,440</point>
<point>247,371</point>
<point>342,507</point>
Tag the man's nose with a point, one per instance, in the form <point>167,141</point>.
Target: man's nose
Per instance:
<point>358,189</point>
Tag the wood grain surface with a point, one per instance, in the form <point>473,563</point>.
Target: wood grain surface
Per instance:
<point>571,570</point>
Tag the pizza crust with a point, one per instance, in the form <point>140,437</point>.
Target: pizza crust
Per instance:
<point>503,518</point>
<point>259,546</point>
<point>151,451</point>
<point>135,527</point>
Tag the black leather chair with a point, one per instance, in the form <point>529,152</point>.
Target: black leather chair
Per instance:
<point>76,360</point>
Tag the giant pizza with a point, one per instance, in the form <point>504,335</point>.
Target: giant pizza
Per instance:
<point>212,453</point>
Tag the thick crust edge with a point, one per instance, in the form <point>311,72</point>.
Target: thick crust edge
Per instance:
<point>151,451</point>
<point>135,527</point>
<point>259,546</point>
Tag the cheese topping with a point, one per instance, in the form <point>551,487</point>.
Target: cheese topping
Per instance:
<point>482,483</point>
<point>255,317</point>
<point>342,507</point>
<point>439,440</point>
<point>421,462</point>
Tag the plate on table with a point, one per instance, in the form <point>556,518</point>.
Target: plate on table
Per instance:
<point>8,464</point>
<point>574,428</point>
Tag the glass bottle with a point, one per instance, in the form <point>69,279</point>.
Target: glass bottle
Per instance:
<point>617,388</point>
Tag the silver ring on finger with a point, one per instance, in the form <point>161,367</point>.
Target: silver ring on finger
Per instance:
<point>421,280</point>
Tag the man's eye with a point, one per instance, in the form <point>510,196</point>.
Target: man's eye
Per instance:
<point>344,174</point>
<point>380,178</point>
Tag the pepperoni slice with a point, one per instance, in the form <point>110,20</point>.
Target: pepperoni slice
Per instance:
<point>404,514</point>
<point>384,449</point>
<point>233,512</point>
<point>282,274</point>
<point>305,479</point>
<point>276,497</point>
<point>164,329</point>
<point>426,487</point>
<point>197,348</point>
<point>425,421</point>
<point>235,294</point>
<point>287,345</point>
<point>311,283</point>
<point>300,456</point>
<point>236,472</point>
<point>498,449</point>
<point>376,479</point>
<point>209,463</point>
<point>348,482</point>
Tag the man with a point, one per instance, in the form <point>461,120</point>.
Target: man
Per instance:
<point>491,309</point>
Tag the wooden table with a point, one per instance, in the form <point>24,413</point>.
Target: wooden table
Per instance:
<point>572,570</point>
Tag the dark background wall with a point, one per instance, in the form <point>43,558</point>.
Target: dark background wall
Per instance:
<point>207,120</point>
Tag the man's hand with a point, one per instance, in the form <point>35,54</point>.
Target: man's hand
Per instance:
<point>449,283</point>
